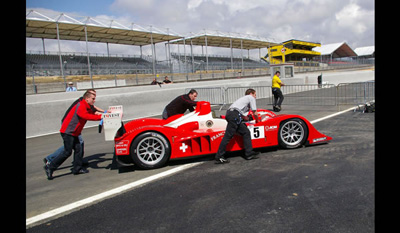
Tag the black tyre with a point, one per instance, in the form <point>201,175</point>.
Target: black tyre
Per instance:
<point>150,150</point>
<point>293,133</point>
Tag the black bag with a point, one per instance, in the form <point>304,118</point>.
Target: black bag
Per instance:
<point>370,107</point>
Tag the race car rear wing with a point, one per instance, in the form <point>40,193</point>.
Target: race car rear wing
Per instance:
<point>111,122</point>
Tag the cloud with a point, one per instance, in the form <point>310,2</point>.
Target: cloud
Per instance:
<point>354,18</point>
<point>324,21</point>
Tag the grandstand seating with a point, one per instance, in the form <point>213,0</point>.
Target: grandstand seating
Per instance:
<point>49,64</point>
<point>218,62</point>
<point>77,64</point>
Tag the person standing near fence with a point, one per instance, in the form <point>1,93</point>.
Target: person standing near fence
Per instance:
<point>70,87</point>
<point>276,91</point>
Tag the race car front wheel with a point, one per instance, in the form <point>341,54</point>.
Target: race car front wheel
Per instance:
<point>150,150</point>
<point>292,133</point>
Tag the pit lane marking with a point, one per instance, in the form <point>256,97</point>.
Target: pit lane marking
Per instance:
<point>113,192</point>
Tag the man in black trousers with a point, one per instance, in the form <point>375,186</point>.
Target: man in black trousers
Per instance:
<point>235,115</point>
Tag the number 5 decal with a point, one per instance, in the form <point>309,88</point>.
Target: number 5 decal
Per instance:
<point>256,132</point>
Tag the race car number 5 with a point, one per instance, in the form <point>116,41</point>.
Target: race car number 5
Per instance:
<point>256,132</point>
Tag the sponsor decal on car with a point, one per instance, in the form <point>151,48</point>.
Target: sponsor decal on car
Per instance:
<point>111,115</point>
<point>270,128</point>
<point>121,147</point>
<point>217,136</point>
<point>319,139</point>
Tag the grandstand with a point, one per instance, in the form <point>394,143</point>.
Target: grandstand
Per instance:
<point>76,64</point>
<point>65,27</point>
<point>215,62</point>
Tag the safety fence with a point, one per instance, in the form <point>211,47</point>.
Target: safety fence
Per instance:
<point>305,95</point>
<point>355,93</point>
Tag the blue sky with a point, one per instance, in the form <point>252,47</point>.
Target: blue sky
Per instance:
<point>81,7</point>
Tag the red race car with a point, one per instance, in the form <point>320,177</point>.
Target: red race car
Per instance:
<point>150,142</point>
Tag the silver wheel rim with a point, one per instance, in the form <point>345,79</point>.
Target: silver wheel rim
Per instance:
<point>292,133</point>
<point>150,150</point>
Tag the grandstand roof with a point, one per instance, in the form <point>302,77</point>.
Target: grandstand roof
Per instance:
<point>337,49</point>
<point>365,51</point>
<point>39,25</point>
<point>222,39</point>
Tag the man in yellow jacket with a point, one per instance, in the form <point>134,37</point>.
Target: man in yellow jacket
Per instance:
<point>276,91</point>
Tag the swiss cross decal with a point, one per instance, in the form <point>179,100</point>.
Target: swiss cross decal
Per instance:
<point>183,147</point>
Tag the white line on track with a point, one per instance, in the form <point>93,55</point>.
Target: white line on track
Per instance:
<point>113,192</point>
<point>332,115</point>
<point>107,194</point>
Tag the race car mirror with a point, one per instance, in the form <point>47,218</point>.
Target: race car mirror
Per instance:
<point>112,121</point>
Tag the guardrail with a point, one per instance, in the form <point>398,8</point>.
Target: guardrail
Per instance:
<point>308,95</point>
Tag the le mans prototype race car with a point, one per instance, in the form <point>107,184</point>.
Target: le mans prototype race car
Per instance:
<point>149,142</point>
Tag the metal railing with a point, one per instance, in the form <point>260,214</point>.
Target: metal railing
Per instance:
<point>214,95</point>
<point>306,95</point>
<point>309,94</point>
<point>357,94</point>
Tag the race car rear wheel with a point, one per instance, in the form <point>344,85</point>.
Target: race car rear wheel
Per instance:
<point>150,150</point>
<point>292,133</point>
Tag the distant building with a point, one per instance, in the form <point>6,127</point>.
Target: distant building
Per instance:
<point>365,55</point>
<point>335,51</point>
<point>292,51</point>
<point>365,52</point>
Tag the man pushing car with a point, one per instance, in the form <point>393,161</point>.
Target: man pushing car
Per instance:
<point>71,128</point>
<point>180,104</point>
<point>235,115</point>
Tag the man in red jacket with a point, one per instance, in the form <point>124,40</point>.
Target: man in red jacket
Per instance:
<point>71,128</point>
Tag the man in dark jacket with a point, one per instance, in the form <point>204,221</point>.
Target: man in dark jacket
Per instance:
<point>71,128</point>
<point>180,104</point>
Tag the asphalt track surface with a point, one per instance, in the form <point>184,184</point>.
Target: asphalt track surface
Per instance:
<point>325,188</point>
